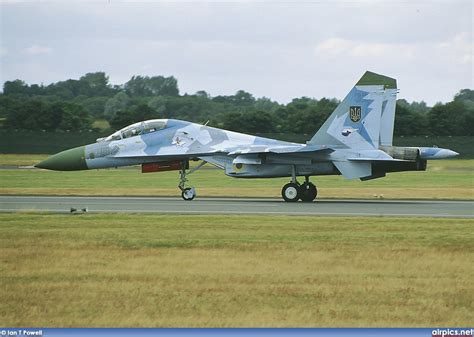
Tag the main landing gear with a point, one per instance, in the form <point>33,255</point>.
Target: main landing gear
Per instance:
<point>187,193</point>
<point>294,191</point>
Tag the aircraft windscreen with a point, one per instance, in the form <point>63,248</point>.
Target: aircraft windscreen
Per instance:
<point>152,126</point>
<point>133,130</point>
<point>137,129</point>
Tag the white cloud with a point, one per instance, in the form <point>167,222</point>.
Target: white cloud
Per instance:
<point>280,50</point>
<point>455,50</point>
<point>353,48</point>
<point>459,47</point>
<point>37,50</point>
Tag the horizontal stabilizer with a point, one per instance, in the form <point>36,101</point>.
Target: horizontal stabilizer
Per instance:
<point>353,170</point>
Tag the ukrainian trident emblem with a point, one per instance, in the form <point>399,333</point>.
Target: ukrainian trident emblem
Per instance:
<point>355,113</point>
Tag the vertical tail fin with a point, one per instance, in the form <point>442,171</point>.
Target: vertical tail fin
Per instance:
<point>364,119</point>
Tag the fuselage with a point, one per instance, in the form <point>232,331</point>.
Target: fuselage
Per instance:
<point>175,140</point>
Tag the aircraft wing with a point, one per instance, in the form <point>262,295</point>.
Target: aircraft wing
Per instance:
<point>279,149</point>
<point>172,152</point>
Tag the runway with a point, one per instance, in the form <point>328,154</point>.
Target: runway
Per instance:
<point>63,204</point>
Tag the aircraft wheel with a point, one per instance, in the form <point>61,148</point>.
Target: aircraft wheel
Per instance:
<point>290,192</point>
<point>308,192</point>
<point>188,194</point>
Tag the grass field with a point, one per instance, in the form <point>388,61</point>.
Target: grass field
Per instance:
<point>446,179</point>
<point>200,271</point>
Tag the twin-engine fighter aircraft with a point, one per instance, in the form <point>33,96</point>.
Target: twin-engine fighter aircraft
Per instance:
<point>355,141</point>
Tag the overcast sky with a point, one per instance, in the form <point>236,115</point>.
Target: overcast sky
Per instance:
<point>280,50</point>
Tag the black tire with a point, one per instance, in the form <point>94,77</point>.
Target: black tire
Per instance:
<point>188,194</point>
<point>290,192</point>
<point>308,192</point>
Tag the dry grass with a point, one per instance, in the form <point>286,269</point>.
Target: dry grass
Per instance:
<point>448,179</point>
<point>229,271</point>
<point>101,124</point>
<point>21,159</point>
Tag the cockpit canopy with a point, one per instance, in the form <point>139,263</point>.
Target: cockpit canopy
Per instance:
<point>137,129</point>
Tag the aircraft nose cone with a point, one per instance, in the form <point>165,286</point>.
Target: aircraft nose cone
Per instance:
<point>69,160</point>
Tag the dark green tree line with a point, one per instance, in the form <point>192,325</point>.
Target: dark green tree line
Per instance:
<point>74,104</point>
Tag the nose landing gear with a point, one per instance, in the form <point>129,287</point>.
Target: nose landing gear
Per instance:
<point>188,193</point>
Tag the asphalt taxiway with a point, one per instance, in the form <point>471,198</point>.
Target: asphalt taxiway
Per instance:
<point>423,208</point>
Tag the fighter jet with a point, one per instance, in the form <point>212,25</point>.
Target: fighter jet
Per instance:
<point>355,141</point>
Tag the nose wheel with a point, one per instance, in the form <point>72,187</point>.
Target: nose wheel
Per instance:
<point>188,193</point>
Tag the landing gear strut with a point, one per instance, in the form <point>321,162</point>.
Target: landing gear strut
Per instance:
<point>293,191</point>
<point>187,193</point>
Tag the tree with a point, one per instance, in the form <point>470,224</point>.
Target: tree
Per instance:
<point>74,117</point>
<point>95,106</point>
<point>119,102</point>
<point>250,122</point>
<point>451,119</point>
<point>38,115</point>
<point>135,114</point>
<point>25,116</point>
<point>50,117</point>
<point>464,95</point>
<point>242,97</point>
<point>8,104</point>
<point>169,87</point>
<point>202,93</point>
<point>266,104</point>
<point>15,87</point>
<point>409,122</point>
<point>158,104</point>
<point>306,115</point>
<point>152,86</point>
<point>96,84</point>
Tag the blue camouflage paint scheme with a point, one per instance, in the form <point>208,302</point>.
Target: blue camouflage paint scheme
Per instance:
<point>357,97</point>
